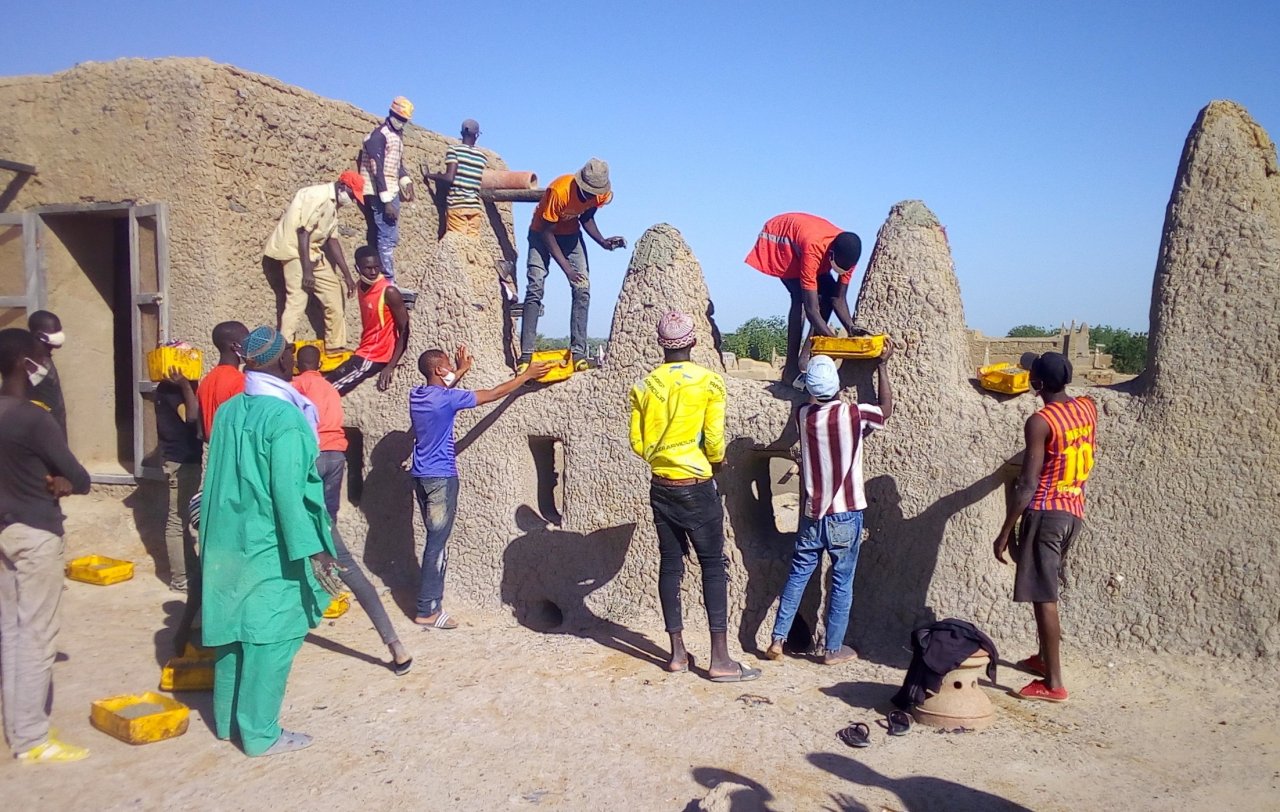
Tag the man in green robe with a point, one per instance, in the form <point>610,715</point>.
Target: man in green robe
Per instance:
<point>264,527</point>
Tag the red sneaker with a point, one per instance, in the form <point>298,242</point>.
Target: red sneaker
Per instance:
<point>1040,690</point>
<point>1034,664</point>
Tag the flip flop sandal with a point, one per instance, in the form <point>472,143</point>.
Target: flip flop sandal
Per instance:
<point>899,723</point>
<point>442,621</point>
<point>856,735</point>
<point>400,669</point>
<point>744,675</point>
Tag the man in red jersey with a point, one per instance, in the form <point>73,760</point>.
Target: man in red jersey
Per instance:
<point>225,380</point>
<point>1049,498</point>
<point>385,334</point>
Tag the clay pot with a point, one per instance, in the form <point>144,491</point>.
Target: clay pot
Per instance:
<point>507,179</point>
<point>960,702</point>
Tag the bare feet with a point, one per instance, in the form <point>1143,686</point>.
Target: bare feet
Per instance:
<point>774,651</point>
<point>680,665</point>
<point>841,655</point>
<point>679,657</point>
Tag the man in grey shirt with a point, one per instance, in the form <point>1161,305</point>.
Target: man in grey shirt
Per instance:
<point>36,470</point>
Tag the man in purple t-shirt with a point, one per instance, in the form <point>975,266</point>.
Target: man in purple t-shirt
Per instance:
<point>432,409</point>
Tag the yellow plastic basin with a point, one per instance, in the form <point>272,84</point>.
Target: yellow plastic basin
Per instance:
<point>100,570</point>
<point>848,346</point>
<point>140,718</point>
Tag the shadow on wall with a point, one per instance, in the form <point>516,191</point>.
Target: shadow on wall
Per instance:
<point>547,575</point>
<point>387,504</point>
<point>918,793</point>
<point>897,564</point>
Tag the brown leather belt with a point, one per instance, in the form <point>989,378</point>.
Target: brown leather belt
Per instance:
<point>677,483</point>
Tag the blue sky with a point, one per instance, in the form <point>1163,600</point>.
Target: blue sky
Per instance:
<point>1045,136</point>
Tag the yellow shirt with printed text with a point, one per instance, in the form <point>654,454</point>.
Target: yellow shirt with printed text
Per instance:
<point>677,420</point>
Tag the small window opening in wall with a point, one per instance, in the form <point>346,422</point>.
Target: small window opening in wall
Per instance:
<point>355,464</point>
<point>775,484</point>
<point>548,462</point>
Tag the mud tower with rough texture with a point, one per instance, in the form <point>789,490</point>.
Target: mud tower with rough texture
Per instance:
<point>553,521</point>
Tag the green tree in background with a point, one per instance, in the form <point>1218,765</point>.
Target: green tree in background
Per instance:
<point>1128,350</point>
<point>758,338</point>
<point>545,343</point>
<point>1032,331</point>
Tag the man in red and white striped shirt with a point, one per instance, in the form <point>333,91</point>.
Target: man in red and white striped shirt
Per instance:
<point>831,435</point>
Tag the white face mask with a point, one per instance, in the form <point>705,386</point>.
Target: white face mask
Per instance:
<point>55,340</point>
<point>38,374</point>
<point>343,198</point>
<point>396,124</point>
<point>448,378</point>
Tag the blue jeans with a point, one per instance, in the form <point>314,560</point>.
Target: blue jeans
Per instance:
<point>840,534</point>
<point>438,500</point>
<point>382,236</point>
<point>538,266</point>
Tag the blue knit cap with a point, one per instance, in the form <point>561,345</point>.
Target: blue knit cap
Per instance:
<point>263,346</point>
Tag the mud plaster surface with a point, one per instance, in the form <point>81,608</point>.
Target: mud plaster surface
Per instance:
<point>1186,469</point>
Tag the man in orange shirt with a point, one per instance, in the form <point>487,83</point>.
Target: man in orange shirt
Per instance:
<point>331,465</point>
<point>385,328</point>
<point>1049,499</point>
<point>568,207</point>
<point>225,380</point>
<point>815,260</point>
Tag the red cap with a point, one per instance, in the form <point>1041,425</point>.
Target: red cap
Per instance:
<point>355,182</point>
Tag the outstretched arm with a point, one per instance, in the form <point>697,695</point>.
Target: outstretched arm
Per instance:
<point>588,222</point>
<point>536,370</point>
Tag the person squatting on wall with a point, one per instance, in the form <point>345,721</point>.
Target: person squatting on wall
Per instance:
<point>305,235</point>
<point>677,427</point>
<point>567,208</point>
<point>1048,500</point>
<point>384,320</point>
<point>433,407</point>
<point>832,498</point>
<point>386,182</point>
<point>37,469</point>
<point>267,553</point>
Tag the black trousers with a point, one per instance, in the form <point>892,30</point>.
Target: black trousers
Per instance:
<point>691,517</point>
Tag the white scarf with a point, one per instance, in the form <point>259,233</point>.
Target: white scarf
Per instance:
<point>260,383</point>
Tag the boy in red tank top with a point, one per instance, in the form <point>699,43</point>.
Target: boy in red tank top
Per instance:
<point>384,335</point>
<point>1049,498</point>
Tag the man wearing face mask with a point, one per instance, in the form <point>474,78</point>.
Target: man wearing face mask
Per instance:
<point>385,333</point>
<point>386,181</point>
<point>304,238</point>
<point>815,260</point>
<point>36,470</point>
<point>47,388</point>
<point>432,410</point>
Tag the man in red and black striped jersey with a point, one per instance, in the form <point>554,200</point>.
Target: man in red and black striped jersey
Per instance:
<point>1049,498</point>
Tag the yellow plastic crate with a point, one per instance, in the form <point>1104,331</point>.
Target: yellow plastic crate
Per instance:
<point>100,570</point>
<point>561,361</point>
<point>193,671</point>
<point>1006,378</point>
<point>140,718</point>
<point>848,346</point>
<point>190,362</point>
<point>338,606</point>
<point>329,361</point>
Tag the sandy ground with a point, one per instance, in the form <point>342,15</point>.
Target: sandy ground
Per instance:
<point>495,716</point>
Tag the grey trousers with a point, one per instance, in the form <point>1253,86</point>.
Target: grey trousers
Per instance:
<point>30,592</point>
<point>538,266</point>
<point>179,541</point>
<point>331,465</point>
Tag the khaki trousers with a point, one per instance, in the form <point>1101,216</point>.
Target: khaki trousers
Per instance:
<point>30,592</point>
<point>328,291</point>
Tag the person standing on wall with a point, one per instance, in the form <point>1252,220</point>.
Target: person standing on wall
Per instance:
<point>567,208</point>
<point>433,408</point>
<point>385,334</point>
<point>332,464</point>
<point>677,427</point>
<point>833,499</point>
<point>225,380</point>
<point>266,550</point>
<point>386,182</point>
<point>47,328</point>
<point>303,238</point>
<point>463,166</point>
<point>1048,498</point>
<point>815,260</point>
<point>178,432</point>
<point>36,470</point>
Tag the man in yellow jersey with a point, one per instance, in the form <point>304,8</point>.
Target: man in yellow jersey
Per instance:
<point>568,207</point>
<point>1049,498</point>
<point>677,427</point>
